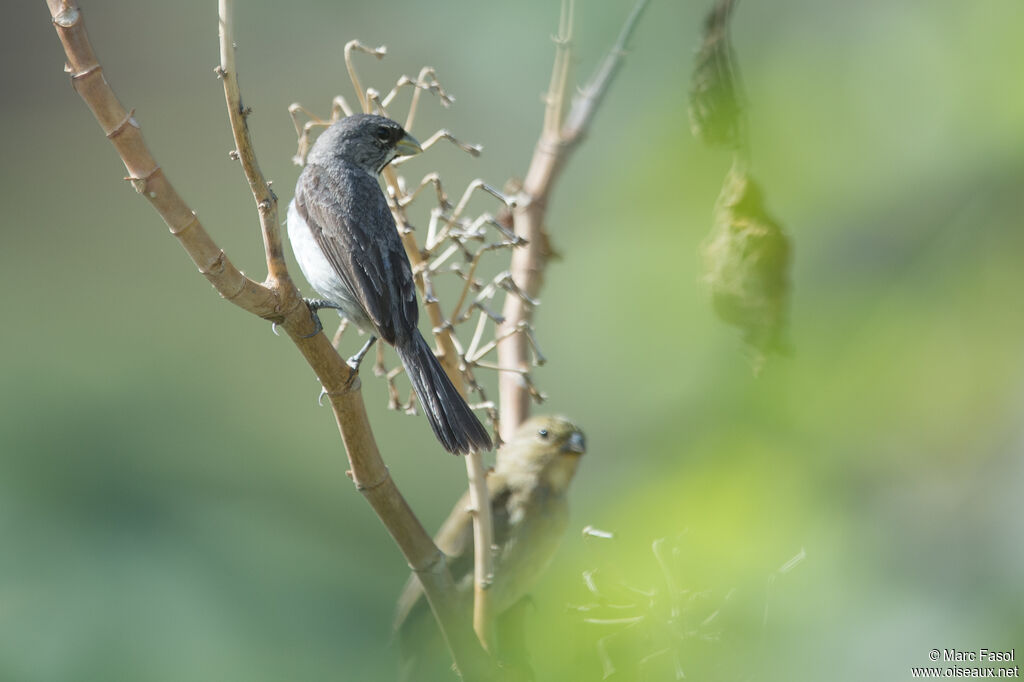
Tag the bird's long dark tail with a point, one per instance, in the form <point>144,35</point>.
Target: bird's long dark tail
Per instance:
<point>453,422</point>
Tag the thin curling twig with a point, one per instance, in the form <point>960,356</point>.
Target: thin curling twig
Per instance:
<point>356,46</point>
<point>341,385</point>
<point>421,84</point>
<point>557,141</point>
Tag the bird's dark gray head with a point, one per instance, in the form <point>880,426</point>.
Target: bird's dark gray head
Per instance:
<point>366,141</point>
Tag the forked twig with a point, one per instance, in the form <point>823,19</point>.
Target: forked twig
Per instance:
<point>557,141</point>
<point>266,200</point>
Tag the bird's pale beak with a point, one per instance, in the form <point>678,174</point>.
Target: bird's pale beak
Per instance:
<point>576,444</point>
<point>407,146</point>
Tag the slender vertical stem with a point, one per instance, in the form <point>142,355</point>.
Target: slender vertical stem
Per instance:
<point>483,555</point>
<point>558,139</point>
<point>266,200</point>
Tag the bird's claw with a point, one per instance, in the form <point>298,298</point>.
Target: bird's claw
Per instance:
<point>318,326</point>
<point>356,359</point>
<point>315,304</point>
<point>320,398</point>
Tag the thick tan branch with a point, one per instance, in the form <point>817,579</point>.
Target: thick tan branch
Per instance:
<point>372,478</point>
<point>146,176</point>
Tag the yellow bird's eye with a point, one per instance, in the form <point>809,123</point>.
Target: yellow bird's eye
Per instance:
<point>543,433</point>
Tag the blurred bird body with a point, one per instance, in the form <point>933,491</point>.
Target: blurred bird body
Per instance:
<point>530,512</point>
<point>345,241</point>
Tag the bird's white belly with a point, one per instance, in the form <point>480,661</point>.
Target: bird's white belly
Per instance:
<point>318,270</point>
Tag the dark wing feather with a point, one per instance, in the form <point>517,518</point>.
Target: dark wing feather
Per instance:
<point>350,220</point>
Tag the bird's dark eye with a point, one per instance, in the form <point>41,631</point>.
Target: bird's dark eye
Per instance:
<point>384,134</point>
<point>543,433</point>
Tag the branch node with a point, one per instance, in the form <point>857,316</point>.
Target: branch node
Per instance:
<point>139,184</point>
<point>352,383</point>
<point>67,17</point>
<point>82,74</point>
<point>218,264</point>
<point>234,155</point>
<point>220,71</point>
<point>177,232</point>
<point>431,565</point>
<point>523,200</point>
<point>364,487</point>
<point>128,120</point>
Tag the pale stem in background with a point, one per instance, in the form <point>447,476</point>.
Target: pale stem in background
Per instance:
<point>558,139</point>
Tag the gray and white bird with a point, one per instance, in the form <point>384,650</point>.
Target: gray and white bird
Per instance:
<point>344,239</point>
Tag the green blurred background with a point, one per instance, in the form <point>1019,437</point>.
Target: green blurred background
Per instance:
<point>173,504</point>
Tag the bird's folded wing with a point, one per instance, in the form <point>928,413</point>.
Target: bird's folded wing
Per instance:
<point>351,223</point>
